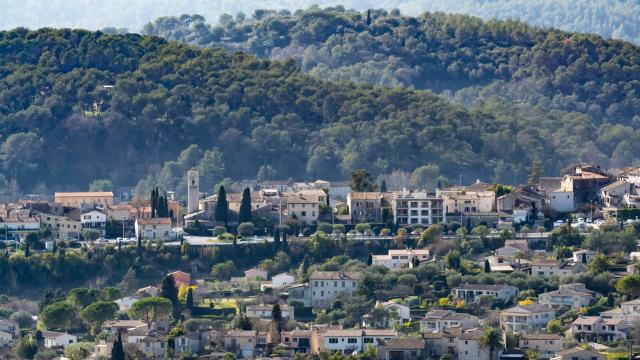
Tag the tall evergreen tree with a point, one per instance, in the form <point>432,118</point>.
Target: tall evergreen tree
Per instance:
<point>276,316</point>
<point>117,352</point>
<point>27,251</point>
<point>534,173</point>
<point>285,245</point>
<point>169,291</point>
<point>276,238</point>
<point>383,186</point>
<point>245,206</point>
<point>487,266</point>
<point>189,300</point>
<point>222,207</point>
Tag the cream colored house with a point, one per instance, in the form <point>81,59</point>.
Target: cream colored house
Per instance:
<point>326,286</point>
<point>155,229</point>
<point>305,209</point>
<point>545,344</point>
<point>61,228</point>
<point>574,295</point>
<point>525,318</point>
<point>80,199</point>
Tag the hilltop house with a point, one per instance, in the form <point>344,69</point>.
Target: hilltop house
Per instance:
<point>524,318</point>
<point>473,292</point>
<point>400,258</point>
<point>554,267</point>
<point>545,344</point>
<point>599,329</point>
<point>444,320</point>
<point>574,295</point>
<point>155,229</point>
<point>326,286</point>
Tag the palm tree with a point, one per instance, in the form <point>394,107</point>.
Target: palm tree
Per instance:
<point>491,339</point>
<point>518,256</point>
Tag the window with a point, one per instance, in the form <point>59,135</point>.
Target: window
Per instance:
<point>333,340</point>
<point>352,340</point>
<point>368,340</point>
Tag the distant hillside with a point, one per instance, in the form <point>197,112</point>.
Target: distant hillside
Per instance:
<point>618,19</point>
<point>77,106</point>
<point>444,53</point>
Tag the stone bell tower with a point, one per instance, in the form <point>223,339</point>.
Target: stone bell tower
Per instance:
<point>193,190</point>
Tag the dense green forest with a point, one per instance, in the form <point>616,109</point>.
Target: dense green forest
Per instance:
<point>77,106</point>
<point>566,71</point>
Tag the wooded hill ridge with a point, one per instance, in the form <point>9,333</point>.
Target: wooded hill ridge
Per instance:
<point>76,106</point>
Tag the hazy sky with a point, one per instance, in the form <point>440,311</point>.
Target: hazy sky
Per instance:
<point>133,14</point>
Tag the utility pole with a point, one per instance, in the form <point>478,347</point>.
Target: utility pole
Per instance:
<point>123,227</point>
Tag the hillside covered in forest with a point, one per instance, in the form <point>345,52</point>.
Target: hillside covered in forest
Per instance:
<point>558,70</point>
<point>76,106</point>
<point>618,19</point>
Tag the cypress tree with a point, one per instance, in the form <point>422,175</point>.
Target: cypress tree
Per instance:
<point>189,301</point>
<point>168,290</point>
<point>245,206</point>
<point>368,17</point>
<point>154,202</point>
<point>54,247</point>
<point>139,245</point>
<point>27,252</point>
<point>222,207</point>
<point>487,266</point>
<point>276,316</point>
<point>383,186</point>
<point>285,246</point>
<point>276,237</point>
<point>117,353</point>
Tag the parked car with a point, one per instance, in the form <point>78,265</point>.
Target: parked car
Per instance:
<point>102,239</point>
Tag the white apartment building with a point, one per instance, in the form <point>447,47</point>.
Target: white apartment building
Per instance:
<point>418,208</point>
<point>327,286</point>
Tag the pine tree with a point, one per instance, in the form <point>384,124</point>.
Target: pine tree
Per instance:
<point>222,207</point>
<point>534,173</point>
<point>245,206</point>
<point>117,353</point>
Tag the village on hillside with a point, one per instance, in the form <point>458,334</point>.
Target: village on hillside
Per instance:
<point>545,270</point>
